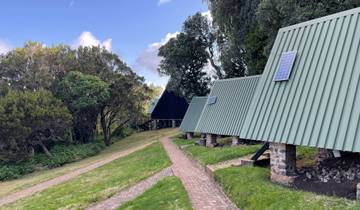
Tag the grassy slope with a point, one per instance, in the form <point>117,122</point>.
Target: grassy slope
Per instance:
<point>37,177</point>
<point>250,188</point>
<point>214,155</point>
<point>100,183</point>
<point>168,194</point>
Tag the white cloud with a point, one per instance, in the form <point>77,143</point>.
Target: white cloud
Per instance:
<point>4,47</point>
<point>86,38</point>
<point>148,58</point>
<point>208,15</point>
<point>161,2</point>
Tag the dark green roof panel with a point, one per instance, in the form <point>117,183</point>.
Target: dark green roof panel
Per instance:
<point>233,98</point>
<point>319,105</point>
<point>193,113</point>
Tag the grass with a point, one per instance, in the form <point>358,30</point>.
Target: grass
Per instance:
<point>100,183</point>
<point>41,176</point>
<point>306,156</point>
<point>168,194</point>
<point>251,188</point>
<point>214,155</point>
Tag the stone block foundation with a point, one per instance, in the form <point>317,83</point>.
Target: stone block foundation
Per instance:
<point>189,135</point>
<point>236,141</point>
<point>283,163</point>
<point>211,140</point>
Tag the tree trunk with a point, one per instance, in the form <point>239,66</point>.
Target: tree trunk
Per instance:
<point>105,128</point>
<point>47,152</point>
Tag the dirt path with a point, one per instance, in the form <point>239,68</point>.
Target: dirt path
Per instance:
<point>63,178</point>
<point>202,191</point>
<point>132,192</point>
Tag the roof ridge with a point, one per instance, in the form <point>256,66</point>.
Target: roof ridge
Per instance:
<point>322,19</point>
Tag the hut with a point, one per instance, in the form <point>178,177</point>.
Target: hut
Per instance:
<point>309,93</point>
<point>226,108</point>
<point>168,110</point>
<point>192,116</point>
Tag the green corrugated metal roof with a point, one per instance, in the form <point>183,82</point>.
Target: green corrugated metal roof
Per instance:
<point>153,105</point>
<point>319,105</point>
<point>193,113</point>
<point>232,103</point>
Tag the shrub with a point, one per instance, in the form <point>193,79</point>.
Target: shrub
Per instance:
<point>61,154</point>
<point>31,120</point>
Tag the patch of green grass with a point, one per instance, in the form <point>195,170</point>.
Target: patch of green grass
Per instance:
<point>306,156</point>
<point>183,142</point>
<point>100,183</point>
<point>251,188</point>
<point>132,141</point>
<point>215,155</point>
<point>168,194</point>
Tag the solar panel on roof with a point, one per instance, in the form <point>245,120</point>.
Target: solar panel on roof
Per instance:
<point>286,64</point>
<point>211,100</point>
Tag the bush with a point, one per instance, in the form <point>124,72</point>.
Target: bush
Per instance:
<point>8,172</point>
<point>61,154</point>
<point>31,120</point>
<point>123,132</point>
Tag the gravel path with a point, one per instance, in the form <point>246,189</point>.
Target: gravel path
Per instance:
<point>61,179</point>
<point>202,191</point>
<point>132,192</point>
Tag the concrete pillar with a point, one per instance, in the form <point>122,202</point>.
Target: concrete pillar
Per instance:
<point>358,192</point>
<point>154,124</point>
<point>173,123</point>
<point>283,163</point>
<point>236,141</point>
<point>211,140</point>
<point>189,135</point>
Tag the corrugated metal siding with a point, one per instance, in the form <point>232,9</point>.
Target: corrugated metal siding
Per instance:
<point>320,105</point>
<point>226,116</point>
<point>193,114</point>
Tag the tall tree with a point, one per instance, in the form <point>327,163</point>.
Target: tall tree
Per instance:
<point>233,20</point>
<point>85,95</point>
<point>184,58</point>
<point>34,66</point>
<point>199,26</point>
<point>274,14</point>
<point>125,104</point>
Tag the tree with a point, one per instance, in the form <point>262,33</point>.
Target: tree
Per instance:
<point>199,27</point>
<point>29,120</point>
<point>233,19</point>
<point>274,14</point>
<point>125,104</point>
<point>85,96</point>
<point>36,67</point>
<point>184,58</point>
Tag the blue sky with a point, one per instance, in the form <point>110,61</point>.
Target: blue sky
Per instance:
<point>133,29</point>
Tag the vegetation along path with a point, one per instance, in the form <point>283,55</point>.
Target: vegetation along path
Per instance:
<point>202,191</point>
<point>61,179</point>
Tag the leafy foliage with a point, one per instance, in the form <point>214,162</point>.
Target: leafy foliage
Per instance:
<point>61,154</point>
<point>184,58</point>
<point>85,95</point>
<point>29,120</point>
